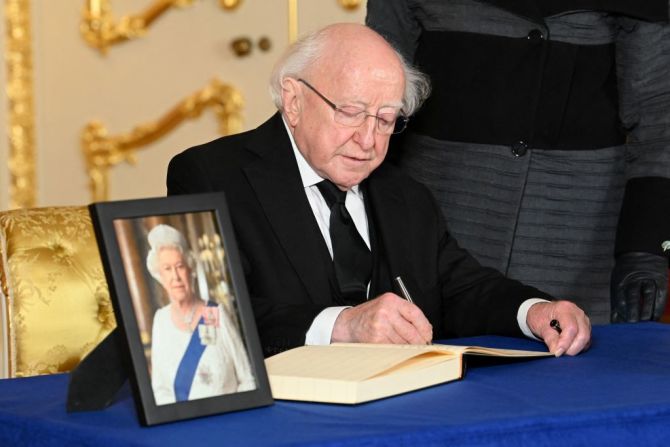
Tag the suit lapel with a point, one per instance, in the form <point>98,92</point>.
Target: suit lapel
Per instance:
<point>393,225</point>
<point>389,208</point>
<point>275,178</point>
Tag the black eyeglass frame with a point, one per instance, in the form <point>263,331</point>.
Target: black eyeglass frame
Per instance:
<point>400,121</point>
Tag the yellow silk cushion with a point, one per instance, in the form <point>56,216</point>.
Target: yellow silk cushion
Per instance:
<point>56,301</point>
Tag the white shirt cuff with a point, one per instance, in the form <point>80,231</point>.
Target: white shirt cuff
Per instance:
<point>522,314</point>
<point>321,330</point>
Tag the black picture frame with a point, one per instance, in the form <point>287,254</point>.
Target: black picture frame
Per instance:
<point>118,228</point>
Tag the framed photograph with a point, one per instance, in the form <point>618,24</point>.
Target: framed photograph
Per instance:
<point>181,303</point>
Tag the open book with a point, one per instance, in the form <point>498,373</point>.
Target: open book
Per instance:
<point>351,373</point>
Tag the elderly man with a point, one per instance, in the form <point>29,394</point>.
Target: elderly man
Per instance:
<point>320,258</point>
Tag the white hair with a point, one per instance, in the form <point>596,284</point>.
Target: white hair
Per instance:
<point>164,236</point>
<point>306,52</point>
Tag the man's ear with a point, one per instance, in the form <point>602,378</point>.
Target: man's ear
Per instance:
<point>291,93</point>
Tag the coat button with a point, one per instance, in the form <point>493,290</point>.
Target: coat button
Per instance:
<point>519,148</point>
<point>535,34</point>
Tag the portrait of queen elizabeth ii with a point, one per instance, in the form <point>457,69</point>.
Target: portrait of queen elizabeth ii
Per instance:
<point>196,348</point>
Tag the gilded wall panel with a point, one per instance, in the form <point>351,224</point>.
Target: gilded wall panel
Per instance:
<point>20,123</point>
<point>144,78</point>
<point>4,137</point>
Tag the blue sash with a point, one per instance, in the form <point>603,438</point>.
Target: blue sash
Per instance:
<point>189,363</point>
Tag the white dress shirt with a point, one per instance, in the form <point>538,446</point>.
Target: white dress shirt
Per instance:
<point>320,331</point>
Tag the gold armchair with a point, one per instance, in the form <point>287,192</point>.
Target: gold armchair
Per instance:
<point>54,300</point>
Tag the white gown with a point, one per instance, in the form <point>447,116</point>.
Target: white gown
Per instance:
<point>223,367</point>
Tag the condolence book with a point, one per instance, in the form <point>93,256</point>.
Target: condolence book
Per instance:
<point>352,373</point>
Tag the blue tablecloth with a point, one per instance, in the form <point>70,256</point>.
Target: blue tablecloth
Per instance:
<point>617,393</point>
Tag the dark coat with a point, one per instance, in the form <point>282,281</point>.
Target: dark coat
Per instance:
<point>286,261</point>
<point>553,116</point>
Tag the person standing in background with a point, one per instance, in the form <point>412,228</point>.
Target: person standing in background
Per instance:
<point>547,140</point>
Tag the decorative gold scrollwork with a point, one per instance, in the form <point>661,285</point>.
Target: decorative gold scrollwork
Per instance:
<point>100,30</point>
<point>18,55</point>
<point>102,151</point>
<point>349,4</point>
<point>229,4</point>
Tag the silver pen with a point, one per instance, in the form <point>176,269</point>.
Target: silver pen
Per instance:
<point>403,290</point>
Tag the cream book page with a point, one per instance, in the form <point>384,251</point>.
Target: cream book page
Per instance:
<point>357,372</point>
<point>361,361</point>
<point>355,361</point>
<point>496,352</point>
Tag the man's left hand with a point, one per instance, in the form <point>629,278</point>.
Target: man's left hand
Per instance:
<point>575,327</point>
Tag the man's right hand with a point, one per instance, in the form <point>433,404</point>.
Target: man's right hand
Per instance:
<point>385,319</point>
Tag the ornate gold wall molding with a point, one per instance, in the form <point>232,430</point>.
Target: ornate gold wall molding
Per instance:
<point>229,4</point>
<point>100,30</point>
<point>349,4</point>
<point>18,54</point>
<point>292,20</point>
<point>102,151</point>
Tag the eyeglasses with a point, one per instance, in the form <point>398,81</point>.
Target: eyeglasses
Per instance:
<point>387,123</point>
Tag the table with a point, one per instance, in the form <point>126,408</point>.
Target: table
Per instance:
<point>617,393</point>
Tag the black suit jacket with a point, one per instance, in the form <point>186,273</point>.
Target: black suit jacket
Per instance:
<point>286,261</point>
